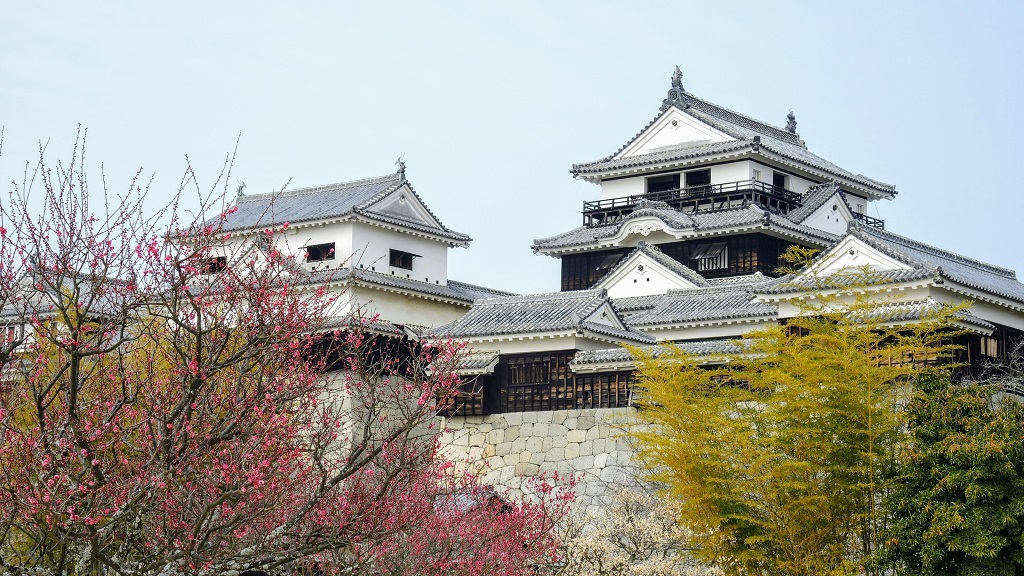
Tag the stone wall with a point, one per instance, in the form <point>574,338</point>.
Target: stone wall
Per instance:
<point>514,446</point>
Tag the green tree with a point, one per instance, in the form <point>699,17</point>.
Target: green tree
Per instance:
<point>781,452</point>
<point>958,497</point>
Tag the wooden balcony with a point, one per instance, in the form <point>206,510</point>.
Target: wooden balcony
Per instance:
<point>869,220</point>
<point>705,198</point>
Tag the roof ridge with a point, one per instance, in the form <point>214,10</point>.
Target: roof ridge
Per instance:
<point>495,291</point>
<point>754,124</point>
<point>315,189</point>
<point>715,289</point>
<point>544,296</point>
<point>860,229</point>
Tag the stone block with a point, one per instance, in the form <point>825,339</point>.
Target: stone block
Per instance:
<point>495,436</point>
<point>570,422</point>
<point>559,442</point>
<point>514,418</point>
<point>585,422</point>
<point>489,451</point>
<point>536,458</point>
<point>534,444</point>
<point>495,462</point>
<point>548,443</point>
<point>594,433</point>
<point>571,451</point>
<point>526,469</point>
<point>518,445</point>
<point>526,429</point>
<point>600,460</point>
<point>484,428</point>
<point>613,476</point>
<point>558,416</point>
<point>511,459</point>
<point>477,439</point>
<point>511,433</point>
<point>556,430</point>
<point>505,474</point>
<point>555,455</point>
<point>586,449</point>
<point>576,435</point>
<point>548,467</point>
<point>461,438</point>
<point>530,417</point>
<point>540,429</point>
<point>503,448</point>
<point>544,417</point>
<point>525,456</point>
<point>583,463</point>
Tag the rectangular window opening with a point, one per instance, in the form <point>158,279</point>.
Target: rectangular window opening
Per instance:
<point>698,178</point>
<point>662,183</point>
<point>779,180</point>
<point>213,265</point>
<point>400,259</point>
<point>320,252</point>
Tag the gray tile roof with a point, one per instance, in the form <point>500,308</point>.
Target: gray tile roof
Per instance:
<point>622,356</point>
<point>477,362</point>
<point>899,312</point>
<point>703,305</point>
<point>684,151</point>
<point>748,280</point>
<point>743,129</point>
<point>633,304</point>
<point>455,290</point>
<point>949,265</point>
<point>696,221</point>
<point>318,203</point>
<point>925,261</point>
<point>553,312</point>
<point>815,197</point>
<point>802,283</point>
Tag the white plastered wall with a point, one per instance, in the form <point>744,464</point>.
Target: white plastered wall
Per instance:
<point>403,309</point>
<point>670,129</point>
<point>373,245</point>
<point>640,275</point>
<point>832,216</point>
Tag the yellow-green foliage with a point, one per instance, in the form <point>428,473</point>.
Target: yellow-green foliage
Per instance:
<point>778,452</point>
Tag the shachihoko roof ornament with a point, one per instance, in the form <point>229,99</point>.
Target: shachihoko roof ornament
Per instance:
<point>676,94</point>
<point>791,122</point>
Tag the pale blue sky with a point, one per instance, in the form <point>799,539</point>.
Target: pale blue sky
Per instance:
<point>492,103</point>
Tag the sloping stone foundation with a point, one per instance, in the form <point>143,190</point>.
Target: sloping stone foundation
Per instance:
<point>512,447</point>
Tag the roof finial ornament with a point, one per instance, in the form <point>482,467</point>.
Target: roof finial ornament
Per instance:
<point>241,189</point>
<point>401,168</point>
<point>791,122</point>
<point>676,94</point>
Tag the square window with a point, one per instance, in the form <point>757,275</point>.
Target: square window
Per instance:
<point>401,259</point>
<point>320,252</point>
<point>698,178</point>
<point>214,265</point>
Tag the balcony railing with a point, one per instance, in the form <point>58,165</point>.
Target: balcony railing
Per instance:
<point>869,220</point>
<point>695,198</point>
